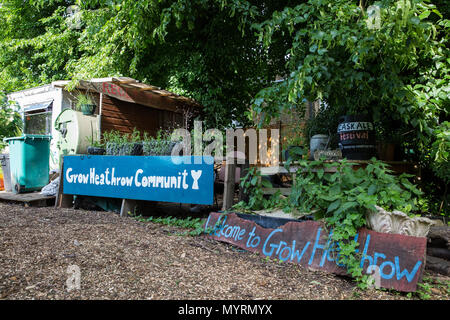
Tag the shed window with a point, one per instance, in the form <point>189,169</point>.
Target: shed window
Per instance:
<point>38,118</point>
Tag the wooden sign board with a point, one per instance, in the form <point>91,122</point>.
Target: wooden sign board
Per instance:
<point>400,259</point>
<point>190,179</point>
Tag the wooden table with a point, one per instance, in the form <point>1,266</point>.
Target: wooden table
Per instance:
<point>28,199</point>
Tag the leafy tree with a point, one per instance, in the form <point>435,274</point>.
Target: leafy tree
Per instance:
<point>202,49</point>
<point>35,44</point>
<point>10,120</point>
<point>397,71</point>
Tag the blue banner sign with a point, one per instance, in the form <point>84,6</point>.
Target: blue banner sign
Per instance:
<point>156,178</point>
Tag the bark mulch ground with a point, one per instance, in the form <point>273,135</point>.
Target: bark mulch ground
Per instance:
<point>121,258</point>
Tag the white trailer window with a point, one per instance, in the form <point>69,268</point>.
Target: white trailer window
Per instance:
<point>37,118</point>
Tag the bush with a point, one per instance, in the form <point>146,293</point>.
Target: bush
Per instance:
<point>10,120</point>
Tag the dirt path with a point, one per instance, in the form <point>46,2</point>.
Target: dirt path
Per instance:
<point>120,258</point>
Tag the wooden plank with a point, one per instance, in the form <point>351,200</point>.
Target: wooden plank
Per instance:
<point>243,172</point>
<point>140,178</point>
<point>229,184</point>
<point>399,259</point>
<point>130,122</point>
<point>128,205</point>
<point>136,95</point>
<point>129,116</point>
<point>124,117</point>
<point>28,199</point>
<point>63,200</point>
<point>108,127</point>
<point>396,166</point>
<point>143,119</point>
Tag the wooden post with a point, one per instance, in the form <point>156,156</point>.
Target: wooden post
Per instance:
<point>128,205</point>
<point>62,200</point>
<point>228,192</point>
<point>244,170</point>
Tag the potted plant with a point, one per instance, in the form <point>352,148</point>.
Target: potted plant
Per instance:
<point>113,141</point>
<point>132,146</point>
<point>320,131</point>
<point>118,144</point>
<point>85,104</point>
<point>96,147</point>
<point>159,146</point>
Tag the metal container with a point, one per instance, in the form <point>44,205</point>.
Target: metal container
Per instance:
<point>356,137</point>
<point>75,132</point>
<point>318,142</point>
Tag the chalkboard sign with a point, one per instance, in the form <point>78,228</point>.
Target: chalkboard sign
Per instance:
<point>154,178</point>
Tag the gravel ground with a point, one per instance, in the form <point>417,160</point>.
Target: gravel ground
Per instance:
<point>120,258</point>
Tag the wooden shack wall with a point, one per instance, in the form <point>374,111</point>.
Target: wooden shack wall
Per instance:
<point>125,116</point>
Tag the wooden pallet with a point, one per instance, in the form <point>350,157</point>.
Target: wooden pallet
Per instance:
<point>35,199</point>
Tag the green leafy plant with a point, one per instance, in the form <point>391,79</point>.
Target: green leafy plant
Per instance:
<point>85,103</point>
<point>117,143</point>
<point>95,142</point>
<point>10,120</point>
<point>253,184</point>
<point>397,72</point>
<point>341,196</point>
<point>113,142</point>
<point>161,145</point>
<point>84,99</point>
<point>195,224</point>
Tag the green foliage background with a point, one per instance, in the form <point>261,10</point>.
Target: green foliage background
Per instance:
<point>206,50</point>
<point>10,120</point>
<point>226,54</point>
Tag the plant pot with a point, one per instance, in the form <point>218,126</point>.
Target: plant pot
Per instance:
<point>132,149</point>
<point>397,222</point>
<point>318,142</point>
<point>112,148</point>
<point>96,150</point>
<point>158,148</point>
<point>87,109</point>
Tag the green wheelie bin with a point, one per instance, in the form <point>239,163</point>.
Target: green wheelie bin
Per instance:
<point>29,162</point>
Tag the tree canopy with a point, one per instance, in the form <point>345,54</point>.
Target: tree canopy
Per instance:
<point>202,49</point>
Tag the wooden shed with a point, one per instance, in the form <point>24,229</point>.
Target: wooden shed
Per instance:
<point>125,103</point>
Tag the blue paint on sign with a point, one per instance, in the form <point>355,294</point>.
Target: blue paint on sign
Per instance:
<point>140,178</point>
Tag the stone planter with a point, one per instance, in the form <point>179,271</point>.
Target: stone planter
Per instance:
<point>398,222</point>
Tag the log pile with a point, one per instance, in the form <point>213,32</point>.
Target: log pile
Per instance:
<point>438,250</point>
